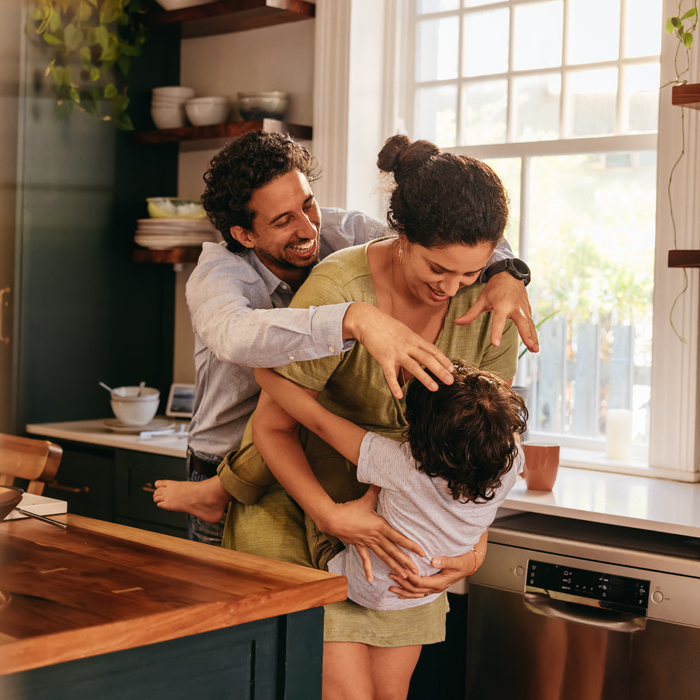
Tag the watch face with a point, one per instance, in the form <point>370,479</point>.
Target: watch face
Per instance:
<point>520,267</point>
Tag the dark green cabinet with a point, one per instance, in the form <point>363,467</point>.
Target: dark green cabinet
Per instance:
<point>117,485</point>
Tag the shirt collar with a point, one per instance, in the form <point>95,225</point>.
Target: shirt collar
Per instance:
<point>271,280</point>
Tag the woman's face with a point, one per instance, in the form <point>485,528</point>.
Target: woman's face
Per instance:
<point>433,275</point>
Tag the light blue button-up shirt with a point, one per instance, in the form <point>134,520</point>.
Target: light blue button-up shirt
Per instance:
<point>241,321</point>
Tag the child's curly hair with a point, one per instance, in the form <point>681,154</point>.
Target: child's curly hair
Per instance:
<point>465,432</point>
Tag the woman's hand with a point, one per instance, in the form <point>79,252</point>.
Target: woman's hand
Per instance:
<point>356,523</point>
<point>507,298</point>
<point>453,569</point>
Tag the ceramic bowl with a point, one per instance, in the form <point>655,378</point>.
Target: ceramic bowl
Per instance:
<point>174,208</point>
<point>174,92</point>
<point>201,112</point>
<point>132,409</point>
<point>262,105</point>
<point>168,117</point>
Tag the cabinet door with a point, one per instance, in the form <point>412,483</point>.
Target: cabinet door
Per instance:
<point>85,479</point>
<point>136,474</point>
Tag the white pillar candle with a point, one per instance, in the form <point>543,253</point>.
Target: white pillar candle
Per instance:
<point>619,434</point>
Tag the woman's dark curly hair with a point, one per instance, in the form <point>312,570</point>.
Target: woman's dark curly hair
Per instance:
<point>243,166</point>
<point>464,432</point>
<point>442,198</point>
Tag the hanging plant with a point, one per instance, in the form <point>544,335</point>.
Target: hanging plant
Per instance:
<point>683,25</point>
<point>90,38</point>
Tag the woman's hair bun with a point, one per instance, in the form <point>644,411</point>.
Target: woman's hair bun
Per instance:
<point>399,155</point>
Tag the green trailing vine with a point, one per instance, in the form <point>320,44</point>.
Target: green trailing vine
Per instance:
<point>90,38</point>
<point>683,25</point>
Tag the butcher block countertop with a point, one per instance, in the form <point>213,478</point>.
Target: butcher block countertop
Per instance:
<point>99,587</point>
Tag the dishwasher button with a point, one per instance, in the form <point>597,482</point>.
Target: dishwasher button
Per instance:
<point>519,571</point>
<point>657,596</point>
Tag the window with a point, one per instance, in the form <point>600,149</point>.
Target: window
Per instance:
<point>560,97</point>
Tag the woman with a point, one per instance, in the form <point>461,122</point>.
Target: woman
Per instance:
<point>449,213</point>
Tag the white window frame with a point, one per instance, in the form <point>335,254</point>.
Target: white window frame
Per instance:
<point>674,446</point>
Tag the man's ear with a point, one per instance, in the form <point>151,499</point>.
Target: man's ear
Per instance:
<point>245,238</point>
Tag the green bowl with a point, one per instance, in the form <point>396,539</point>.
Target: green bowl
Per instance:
<point>173,208</point>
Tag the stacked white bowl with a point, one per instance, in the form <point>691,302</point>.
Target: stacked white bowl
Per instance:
<point>168,106</point>
<point>203,111</point>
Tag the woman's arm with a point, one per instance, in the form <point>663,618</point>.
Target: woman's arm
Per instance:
<point>275,434</point>
<point>453,569</point>
<point>339,433</point>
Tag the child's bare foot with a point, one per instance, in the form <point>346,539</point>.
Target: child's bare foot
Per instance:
<point>203,499</point>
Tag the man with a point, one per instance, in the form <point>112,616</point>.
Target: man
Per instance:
<point>259,197</point>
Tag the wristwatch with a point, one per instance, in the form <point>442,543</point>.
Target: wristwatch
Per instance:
<point>515,266</point>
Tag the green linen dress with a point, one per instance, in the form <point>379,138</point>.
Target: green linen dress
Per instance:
<point>265,520</point>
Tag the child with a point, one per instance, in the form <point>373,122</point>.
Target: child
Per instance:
<point>441,488</point>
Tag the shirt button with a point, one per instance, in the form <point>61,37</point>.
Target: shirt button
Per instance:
<point>331,348</point>
<point>291,357</point>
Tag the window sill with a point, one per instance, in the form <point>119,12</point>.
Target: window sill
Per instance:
<point>635,466</point>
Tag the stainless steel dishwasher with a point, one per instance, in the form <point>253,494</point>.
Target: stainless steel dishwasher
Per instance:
<point>569,610</point>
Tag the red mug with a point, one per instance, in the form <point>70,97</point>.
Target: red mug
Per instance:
<point>541,465</point>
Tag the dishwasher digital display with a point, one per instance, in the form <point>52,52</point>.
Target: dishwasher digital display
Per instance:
<point>614,592</point>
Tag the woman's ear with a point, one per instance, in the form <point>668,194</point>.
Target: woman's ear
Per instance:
<point>245,238</point>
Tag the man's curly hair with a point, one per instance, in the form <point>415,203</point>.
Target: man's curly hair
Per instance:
<point>240,168</point>
<point>465,432</point>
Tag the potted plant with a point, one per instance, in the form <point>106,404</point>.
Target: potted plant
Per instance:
<point>90,39</point>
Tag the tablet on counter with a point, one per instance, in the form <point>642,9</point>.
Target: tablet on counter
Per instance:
<point>180,401</point>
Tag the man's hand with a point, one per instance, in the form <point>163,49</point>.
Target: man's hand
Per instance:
<point>507,298</point>
<point>393,345</point>
<point>356,523</point>
<point>453,569</point>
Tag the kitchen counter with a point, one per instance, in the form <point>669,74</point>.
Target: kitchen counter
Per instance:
<point>94,432</point>
<point>617,499</point>
<point>112,593</point>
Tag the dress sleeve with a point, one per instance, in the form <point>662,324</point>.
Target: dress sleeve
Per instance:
<point>503,360</point>
<point>383,462</point>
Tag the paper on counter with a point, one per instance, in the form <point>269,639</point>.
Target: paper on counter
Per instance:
<point>41,505</point>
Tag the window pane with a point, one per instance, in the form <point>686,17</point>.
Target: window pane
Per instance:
<point>595,30</point>
<point>643,28</point>
<point>476,3</point>
<point>426,6</point>
<point>482,54</point>
<point>436,114</point>
<point>437,49</point>
<point>538,35</point>
<point>592,255</point>
<point>593,94</point>
<point>484,112</point>
<point>508,169</point>
<point>643,97</point>
<point>537,107</point>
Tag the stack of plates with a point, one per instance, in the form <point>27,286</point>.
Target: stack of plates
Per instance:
<point>163,234</point>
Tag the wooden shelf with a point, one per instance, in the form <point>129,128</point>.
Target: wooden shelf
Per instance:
<point>684,258</point>
<point>228,16</point>
<point>686,95</point>
<point>172,256</point>
<point>221,131</point>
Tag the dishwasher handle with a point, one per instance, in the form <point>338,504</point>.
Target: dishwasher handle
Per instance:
<point>542,604</point>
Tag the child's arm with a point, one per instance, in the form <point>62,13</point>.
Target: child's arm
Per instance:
<point>341,434</point>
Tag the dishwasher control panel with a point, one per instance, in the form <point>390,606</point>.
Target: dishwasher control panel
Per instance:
<point>589,587</point>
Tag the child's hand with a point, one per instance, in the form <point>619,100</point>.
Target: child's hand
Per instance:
<point>453,569</point>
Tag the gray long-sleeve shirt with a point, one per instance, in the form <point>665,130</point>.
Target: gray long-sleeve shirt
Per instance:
<point>240,321</point>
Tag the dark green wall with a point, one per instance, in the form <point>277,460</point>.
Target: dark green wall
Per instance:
<point>87,313</point>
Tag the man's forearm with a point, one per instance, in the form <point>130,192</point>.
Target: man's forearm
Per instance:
<point>503,251</point>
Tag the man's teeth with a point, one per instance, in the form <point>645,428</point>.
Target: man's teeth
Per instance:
<point>304,247</point>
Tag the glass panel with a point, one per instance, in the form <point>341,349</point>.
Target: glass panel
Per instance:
<point>643,28</point>
<point>643,97</point>
<point>486,42</point>
<point>437,49</point>
<point>427,6</point>
<point>593,94</point>
<point>595,30</point>
<point>536,111</point>
<point>538,35</point>
<point>436,114</point>
<point>592,255</point>
<point>508,169</point>
<point>484,112</point>
<point>477,3</point>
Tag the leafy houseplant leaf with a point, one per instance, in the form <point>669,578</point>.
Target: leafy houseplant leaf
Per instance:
<point>94,73</point>
<point>85,55</point>
<point>54,22</point>
<point>75,95</point>
<point>688,40</point>
<point>84,11</point>
<point>690,13</point>
<point>53,40</point>
<point>123,122</point>
<point>73,37</point>
<point>110,91</point>
<point>124,63</point>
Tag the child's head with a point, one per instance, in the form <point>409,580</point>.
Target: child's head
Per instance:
<point>465,432</point>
